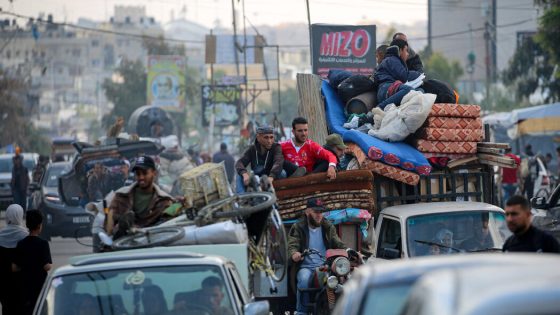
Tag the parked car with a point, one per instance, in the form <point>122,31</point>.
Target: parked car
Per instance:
<point>60,219</point>
<point>6,165</point>
<point>382,287</point>
<point>412,230</point>
<point>542,182</point>
<point>546,212</point>
<point>501,289</point>
<point>168,280</point>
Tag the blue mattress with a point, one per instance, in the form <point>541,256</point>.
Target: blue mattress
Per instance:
<point>393,153</point>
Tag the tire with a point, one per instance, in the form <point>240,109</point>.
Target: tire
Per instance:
<point>246,205</point>
<point>275,243</point>
<point>154,237</point>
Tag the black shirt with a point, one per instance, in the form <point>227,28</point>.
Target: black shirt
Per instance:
<point>534,240</point>
<point>32,254</point>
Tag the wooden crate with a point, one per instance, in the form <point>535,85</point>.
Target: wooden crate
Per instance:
<point>204,184</point>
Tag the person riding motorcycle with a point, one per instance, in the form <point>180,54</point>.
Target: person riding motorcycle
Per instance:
<point>140,204</point>
<point>312,232</point>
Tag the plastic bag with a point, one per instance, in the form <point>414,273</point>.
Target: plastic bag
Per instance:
<point>354,86</point>
<point>443,92</point>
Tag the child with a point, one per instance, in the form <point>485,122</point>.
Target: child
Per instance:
<point>33,260</point>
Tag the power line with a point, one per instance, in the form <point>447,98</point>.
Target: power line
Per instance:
<point>98,30</point>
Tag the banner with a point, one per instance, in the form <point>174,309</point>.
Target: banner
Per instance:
<point>166,81</point>
<point>223,102</point>
<point>344,47</point>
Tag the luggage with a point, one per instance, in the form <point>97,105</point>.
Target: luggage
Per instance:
<point>444,93</point>
<point>361,104</point>
<point>336,77</point>
<point>354,86</point>
<point>204,184</point>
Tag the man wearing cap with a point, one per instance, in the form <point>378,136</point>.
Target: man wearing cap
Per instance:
<point>140,204</point>
<point>336,146</point>
<point>302,151</point>
<point>311,232</point>
<point>264,156</point>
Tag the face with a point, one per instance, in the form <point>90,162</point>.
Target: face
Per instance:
<point>447,240</point>
<point>314,217</point>
<point>266,140</point>
<point>145,178</point>
<point>300,133</point>
<point>214,295</point>
<point>517,218</point>
<point>98,169</point>
<point>339,152</point>
<point>403,53</point>
<point>125,170</point>
<point>379,57</point>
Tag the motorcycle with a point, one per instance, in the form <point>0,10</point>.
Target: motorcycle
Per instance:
<point>327,281</point>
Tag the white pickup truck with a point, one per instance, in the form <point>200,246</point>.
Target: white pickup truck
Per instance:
<point>433,228</point>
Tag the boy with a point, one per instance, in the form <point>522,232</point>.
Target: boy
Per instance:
<point>33,260</point>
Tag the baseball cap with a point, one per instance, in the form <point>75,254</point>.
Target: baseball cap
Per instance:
<point>316,204</point>
<point>265,130</point>
<point>335,140</point>
<point>144,162</point>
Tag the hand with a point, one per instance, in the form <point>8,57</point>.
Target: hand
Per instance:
<point>270,180</point>
<point>296,257</point>
<point>331,172</point>
<point>245,179</point>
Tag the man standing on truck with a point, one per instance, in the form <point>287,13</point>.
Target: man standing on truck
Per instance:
<point>313,231</point>
<point>526,237</point>
<point>140,204</point>
<point>302,151</point>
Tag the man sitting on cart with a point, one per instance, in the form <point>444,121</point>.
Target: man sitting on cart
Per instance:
<point>312,232</point>
<point>140,204</point>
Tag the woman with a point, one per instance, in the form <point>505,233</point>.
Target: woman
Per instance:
<point>10,235</point>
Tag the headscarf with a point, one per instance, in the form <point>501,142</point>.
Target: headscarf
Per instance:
<point>14,231</point>
<point>440,237</point>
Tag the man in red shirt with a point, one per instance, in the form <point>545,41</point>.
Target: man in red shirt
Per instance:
<point>510,177</point>
<point>307,153</point>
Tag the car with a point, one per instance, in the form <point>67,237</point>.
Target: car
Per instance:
<point>6,165</point>
<point>60,219</point>
<point>381,287</point>
<point>546,212</point>
<point>411,230</point>
<point>500,289</point>
<point>542,186</point>
<point>120,282</point>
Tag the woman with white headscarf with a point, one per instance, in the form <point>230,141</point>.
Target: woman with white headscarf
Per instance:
<point>10,235</point>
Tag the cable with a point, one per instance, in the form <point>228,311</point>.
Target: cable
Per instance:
<point>97,30</point>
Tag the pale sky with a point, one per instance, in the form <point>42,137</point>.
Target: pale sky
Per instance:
<point>259,12</point>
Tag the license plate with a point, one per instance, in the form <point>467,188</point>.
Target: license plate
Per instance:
<point>80,220</point>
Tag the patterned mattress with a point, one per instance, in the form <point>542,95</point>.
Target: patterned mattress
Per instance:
<point>455,110</point>
<point>459,147</point>
<point>453,122</point>
<point>442,134</point>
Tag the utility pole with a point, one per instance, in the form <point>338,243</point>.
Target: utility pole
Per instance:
<point>235,45</point>
<point>487,59</point>
<point>430,25</point>
<point>310,35</point>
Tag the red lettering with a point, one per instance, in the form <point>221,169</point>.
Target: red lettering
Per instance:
<point>343,50</point>
<point>326,44</point>
<point>360,43</point>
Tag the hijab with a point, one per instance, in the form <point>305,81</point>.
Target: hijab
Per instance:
<point>14,231</point>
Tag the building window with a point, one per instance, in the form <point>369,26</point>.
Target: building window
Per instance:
<point>94,43</point>
<point>76,52</point>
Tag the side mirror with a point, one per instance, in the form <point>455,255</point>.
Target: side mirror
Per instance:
<point>256,308</point>
<point>539,203</point>
<point>390,253</point>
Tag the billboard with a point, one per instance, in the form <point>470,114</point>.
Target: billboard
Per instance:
<point>166,81</point>
<point>223,102</point>
<point>346,47</point>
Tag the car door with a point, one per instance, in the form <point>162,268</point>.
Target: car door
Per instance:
<point>389,244</point>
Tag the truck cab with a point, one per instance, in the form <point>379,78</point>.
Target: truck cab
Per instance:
<point>423,229</point>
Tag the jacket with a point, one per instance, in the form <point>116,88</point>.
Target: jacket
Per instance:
<point>413,62</point>
<point>224,156</point>
<point>124,201</point>
<point>20,178</point>
<point>272,160</point>
<point>298,237</point>
<point>307,155</point>
<point>392,68</point>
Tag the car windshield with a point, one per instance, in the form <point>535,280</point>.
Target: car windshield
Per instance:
<point>6,165</point>
<point>53,173</point>
<point>156,290</point>
<point>455,232</point>
<point>386,300</point>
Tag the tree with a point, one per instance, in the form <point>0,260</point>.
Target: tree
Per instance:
<point>127,92</point>
<point>535,62</point>
<point>436,66</point>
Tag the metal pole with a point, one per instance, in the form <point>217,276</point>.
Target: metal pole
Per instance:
<point>430,26</point>
<point>310,35</point>
<point>278,78</point>
<point>235,38</point>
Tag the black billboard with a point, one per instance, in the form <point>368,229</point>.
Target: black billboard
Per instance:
<point>345,47</point>
<point>223,102</point>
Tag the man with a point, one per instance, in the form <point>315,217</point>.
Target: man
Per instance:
<point>98,183</point>
<point>301,151</point>
<point>336,146</point>
<point>380,53</point>
<point>526,238</point>
<point>510,177</point>
<point>33,260</point>
<point>212,295</point>
<point>20,181</point>
<point>140,204</point>
<point>264,156</point>
<point>312,232</point>
<point>229,162</point>
<point>481,238</point>
<point>413,61</point>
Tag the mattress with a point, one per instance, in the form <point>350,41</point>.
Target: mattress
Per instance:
<point>392,172</point>
<point>443,134</point>
<point>455,110</point>
<point>398,154</point>
<point>459,147</point>
<point>453,122</point>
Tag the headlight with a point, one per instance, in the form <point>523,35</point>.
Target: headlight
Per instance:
<point>341,266</point>
<point>53,199</point>
<point>332,282</point>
